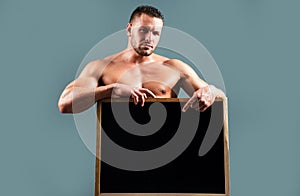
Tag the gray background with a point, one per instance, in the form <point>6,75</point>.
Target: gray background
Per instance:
<point>255,43</point>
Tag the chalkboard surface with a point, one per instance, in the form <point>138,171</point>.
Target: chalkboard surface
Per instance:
<point>189,173</point>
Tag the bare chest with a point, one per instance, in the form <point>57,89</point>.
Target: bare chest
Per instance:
<point>157,77</point>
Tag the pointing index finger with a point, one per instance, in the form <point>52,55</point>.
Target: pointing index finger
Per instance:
<point>192,100</point>
<point>189,103</point>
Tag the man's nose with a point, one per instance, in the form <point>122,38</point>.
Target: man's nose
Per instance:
<point>148,36</point>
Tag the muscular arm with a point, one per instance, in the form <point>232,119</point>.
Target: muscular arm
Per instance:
<point>189,81</point>
<point>202,94</point>
<point>84,91</point>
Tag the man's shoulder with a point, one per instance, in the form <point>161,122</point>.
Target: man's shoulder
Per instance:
<point>97,64</point>
<point>175,63</point>
<point>178,65</point>
<point>96,67</point>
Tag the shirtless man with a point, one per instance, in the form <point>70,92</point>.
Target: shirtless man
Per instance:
<point>137,72</point>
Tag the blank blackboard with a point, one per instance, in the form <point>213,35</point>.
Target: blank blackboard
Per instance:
<point>188,174</point>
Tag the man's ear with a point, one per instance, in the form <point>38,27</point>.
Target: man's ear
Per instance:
<point>128,29</point>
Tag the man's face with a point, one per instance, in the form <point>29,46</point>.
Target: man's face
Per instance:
<point>144,33</point>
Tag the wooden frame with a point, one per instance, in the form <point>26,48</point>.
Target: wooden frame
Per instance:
<point>98,152</point>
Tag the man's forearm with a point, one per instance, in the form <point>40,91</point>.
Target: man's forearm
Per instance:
<point>78,99</point>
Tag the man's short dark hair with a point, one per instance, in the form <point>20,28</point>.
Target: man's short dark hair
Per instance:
<point>146,9</point>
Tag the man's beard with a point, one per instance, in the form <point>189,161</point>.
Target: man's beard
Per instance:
<point>142,52</point>
<point>139,50</point>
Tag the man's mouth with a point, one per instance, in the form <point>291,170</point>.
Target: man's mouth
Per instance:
<point>147,45</point>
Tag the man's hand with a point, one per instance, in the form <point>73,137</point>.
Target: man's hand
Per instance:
<point>138,94</point>
<point>203,98</point>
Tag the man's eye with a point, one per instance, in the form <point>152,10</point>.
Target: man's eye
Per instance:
<point>155,33</point>
<point>143,30</point>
